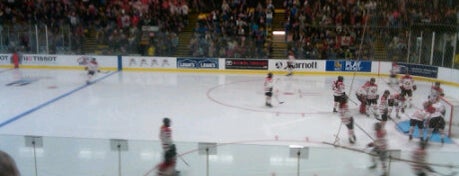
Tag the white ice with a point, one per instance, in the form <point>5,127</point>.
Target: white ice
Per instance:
<point>204,107</point>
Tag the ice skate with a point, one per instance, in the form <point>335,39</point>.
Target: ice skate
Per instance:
<point>442,141</point>
<point>269,105</point>
<point>352,139</point>
<point>411,137</point>
<point>372,166</point>
<point>334,110</point>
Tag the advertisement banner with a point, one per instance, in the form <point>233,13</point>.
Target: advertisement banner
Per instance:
<point>207,63</point>
<point>249,64</point>
<point>300,65</point>
<point>418,70</point>
<point>351,66</point>
<point>5,59</point>
<point>148,62</point>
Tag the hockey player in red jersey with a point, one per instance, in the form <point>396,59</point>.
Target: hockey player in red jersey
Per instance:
<point>338,91</point>
<point>379,147</point>
<point>347,118</point>
<point>165,134</point>
<point>269,84</point>
<point>407,87</point>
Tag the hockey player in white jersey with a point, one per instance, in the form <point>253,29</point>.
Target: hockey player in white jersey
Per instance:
<point>437,122</point>
<point>371,90</point>
<point>407,87</point>
<point>92,67</point>
<point>268,85</point>
<point>338,88</point>
<point>347,118</point>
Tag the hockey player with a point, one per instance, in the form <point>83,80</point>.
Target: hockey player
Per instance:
<point>372,96</point>
<point>407,87</point>
<point>346,118</point>
<point>167,167</point>
<point>165,134</point>
<point>417,119</point>
<point>384,107</point>
<point>268,84</point>
<point>338,91</point>
<point>397,102</point>
<point>393,74</point>
<point>436,90</point>
<point>362,97</point>
<point>419,156</point>
<point>436,122</point>
<point>379,148</point>
<point>290,63</point>
<point>92,67</point>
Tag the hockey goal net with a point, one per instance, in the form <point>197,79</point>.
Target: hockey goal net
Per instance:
<point>451,116</point>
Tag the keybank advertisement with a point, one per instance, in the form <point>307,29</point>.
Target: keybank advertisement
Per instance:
<point>342,65</point>
<point>300,65</point>
<point>207,63</point>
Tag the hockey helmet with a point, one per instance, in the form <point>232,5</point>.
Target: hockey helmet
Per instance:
<point>386,92</point>
<point>372,80</point>
<point>340,78</point>
<point>270,75</point>
<point>166,121</point>
<point>343,99</point>
<point>377,126</point>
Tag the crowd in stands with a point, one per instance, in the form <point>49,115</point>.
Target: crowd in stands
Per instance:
<point>315,29</point>
<point>331,29</point>
<point>115,23</point>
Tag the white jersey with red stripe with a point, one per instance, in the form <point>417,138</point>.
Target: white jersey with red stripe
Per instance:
<point>344,114</point>
<point>165,136</point>
<point>419,156</point>
<point>436,91</point>
<point>439,109</point>
<point>371,91</point>
<point>420,115</point>
<point>407,82</point>
<point>291,59</point>
<point>269,84</point>
<point>92,66</point>
<point>380,141</point>
<point>395,69</point>
<point>384,103</point>
<point>338,88</point>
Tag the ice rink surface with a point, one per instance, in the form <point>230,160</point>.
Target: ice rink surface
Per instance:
<point>204,107</point>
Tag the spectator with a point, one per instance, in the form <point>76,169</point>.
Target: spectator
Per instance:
<point>8,165</point>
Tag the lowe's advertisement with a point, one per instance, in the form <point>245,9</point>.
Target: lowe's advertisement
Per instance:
<point>351,66</point>
<point>207,63</point>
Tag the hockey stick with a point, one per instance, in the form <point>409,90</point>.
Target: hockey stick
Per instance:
<point>336,142</point>
<point>277,97</point>
<point>398,125</point>
<point>443,174</point>
<point>186,163</point>
<point>358,126</point>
